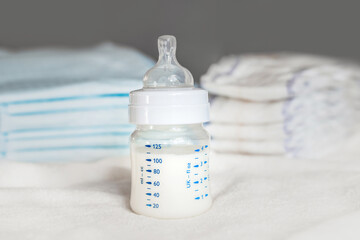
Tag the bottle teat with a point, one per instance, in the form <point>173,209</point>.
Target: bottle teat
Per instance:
<point>168,73</point>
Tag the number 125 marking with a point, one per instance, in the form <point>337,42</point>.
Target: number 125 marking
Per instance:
<point>157,146</point>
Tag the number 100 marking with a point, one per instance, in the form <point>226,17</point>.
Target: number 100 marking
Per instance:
<point>157,160</point>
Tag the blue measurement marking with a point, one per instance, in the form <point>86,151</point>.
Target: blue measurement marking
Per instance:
<point>206,195</point>
<point>149,205</point>
<point>148,183</point>
<point>205,162</point>
<point>148,159</point>
<point>148,188</point>
<point>206,146</point>
<point>196,190</point>
<point>149,176</point>
<point>197,150</point>
<point>205,178</point>
<point>196,182</point>
<point>149,194</point>
<point>197,198</point>
<point>196,165</point>
<point>196,158</point>
<point>196,174</point>
<point>148,170</point>
<point>149,165</point>
<point>148,146</point>
<point>205,170</point>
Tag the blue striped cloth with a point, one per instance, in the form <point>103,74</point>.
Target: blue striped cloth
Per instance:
<point>82,120</point>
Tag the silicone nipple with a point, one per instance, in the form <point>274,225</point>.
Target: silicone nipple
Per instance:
<point>167,72</point>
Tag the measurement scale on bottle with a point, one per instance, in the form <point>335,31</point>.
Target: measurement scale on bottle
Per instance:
<point>194,180</point>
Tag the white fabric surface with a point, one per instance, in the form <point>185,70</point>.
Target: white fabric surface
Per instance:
<point>254,198</point>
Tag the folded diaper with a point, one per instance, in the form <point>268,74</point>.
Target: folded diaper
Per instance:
<point>45,68</point>
<point>103,102</point>
<point>243,132</point>
<point>234,111</point>
<point>67,105</point>
<point>314,103</point>
<point>81,144</point>
<point>248,147</point>
<point>336,98</point>
<point>316,122</point>
<point>258,77</point>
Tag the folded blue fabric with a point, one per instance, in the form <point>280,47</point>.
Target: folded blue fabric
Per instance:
<point>69,105</point>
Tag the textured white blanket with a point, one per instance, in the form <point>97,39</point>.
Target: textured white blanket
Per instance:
<point>254,198</point>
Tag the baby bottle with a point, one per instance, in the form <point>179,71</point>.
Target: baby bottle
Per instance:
<point>170,147</point>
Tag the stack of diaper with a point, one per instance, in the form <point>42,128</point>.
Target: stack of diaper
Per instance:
<point>65,105</point>
<point>298,105</point>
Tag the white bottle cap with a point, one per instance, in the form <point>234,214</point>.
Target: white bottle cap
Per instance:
<point>168,96</point>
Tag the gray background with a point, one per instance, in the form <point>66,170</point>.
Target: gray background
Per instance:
<point>205,29</point>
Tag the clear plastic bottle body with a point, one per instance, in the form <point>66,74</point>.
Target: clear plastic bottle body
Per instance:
<point>170,170</point>
<point>170,147</point>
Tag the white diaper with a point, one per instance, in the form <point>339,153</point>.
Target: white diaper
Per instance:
<point>234,111</point>
<point>267,132</point>
<point>258,77</point>
<point>248,147</point>
<point>319,109</point>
